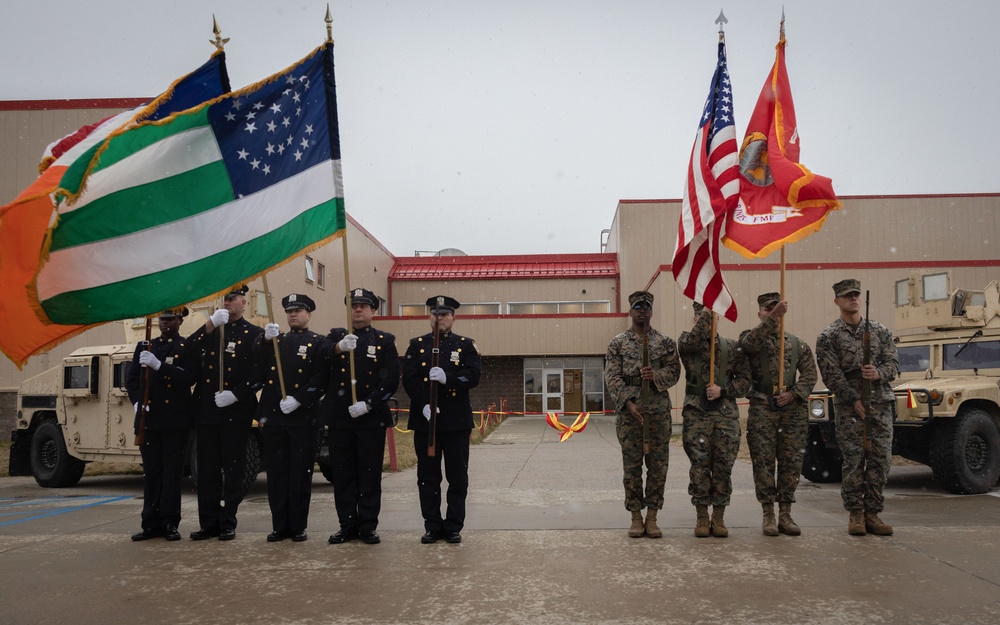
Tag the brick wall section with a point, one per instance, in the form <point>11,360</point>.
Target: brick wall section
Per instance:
<point>501,379</point>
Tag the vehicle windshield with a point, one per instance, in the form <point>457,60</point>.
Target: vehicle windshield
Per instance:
<point>914,358</point>
<point>982,355</point>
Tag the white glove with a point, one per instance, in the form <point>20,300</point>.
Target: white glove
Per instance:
<point>427,411</point>
<point>270,331</point>
<point>225,398</point>
<point>358,409</point>
<point>135,407</point>
<point>289,405</point>
<point>147,359</point>
<point>219,317</point>
<point>436,374</point>
<point>348,343</point>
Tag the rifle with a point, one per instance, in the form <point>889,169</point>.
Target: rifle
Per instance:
<point>140,436</point>
<point>644,398</point>
<point>866,385</point>
<point>435,361</point>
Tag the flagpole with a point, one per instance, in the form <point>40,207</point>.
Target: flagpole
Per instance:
<point>347,271</point>
<point>711,357</point>
<point>274,341</point>
<point>781,328</point>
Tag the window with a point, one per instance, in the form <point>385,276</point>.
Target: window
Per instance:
<point>557,308</point>
<point>984,355</point>
<point>259,304</point>
<point>914,358</point>
<point>473,308</point>
<point>77,376</point>
<point>310,272</point>
<point>412,310</point>
<point>120,373</point>
<point>321,275</point>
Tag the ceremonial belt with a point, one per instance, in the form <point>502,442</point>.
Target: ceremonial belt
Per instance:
<point>632,380</point>
<point>854,374</point>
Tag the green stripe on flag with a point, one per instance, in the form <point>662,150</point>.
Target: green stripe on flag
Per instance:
<point>155,292</point>
<point>145,206</point>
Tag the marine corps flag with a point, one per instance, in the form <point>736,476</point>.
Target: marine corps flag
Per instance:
<point>781,200</point>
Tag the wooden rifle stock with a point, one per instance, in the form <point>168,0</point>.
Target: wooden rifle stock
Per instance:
<point>435,362</point>
<point>645,394</point>
<point>866,385</point>
<point>140,436</point>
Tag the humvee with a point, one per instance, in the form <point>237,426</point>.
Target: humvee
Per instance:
<point>947,411</point>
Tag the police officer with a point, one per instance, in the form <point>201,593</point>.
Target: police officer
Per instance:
<point>624,375</point>
<point>288,415</point>
<point>839,354</point>
<point>458,371</point>
<point>164,425</point>
<point>711,432</point>
<point>778,421</point>
<point>223,413</point>
<point>357,428</point>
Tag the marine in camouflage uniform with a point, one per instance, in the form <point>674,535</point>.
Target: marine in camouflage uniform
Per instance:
<point>839,354</point>
<point>711,420</point>
<point>623,378</point>
<point>778,421</point>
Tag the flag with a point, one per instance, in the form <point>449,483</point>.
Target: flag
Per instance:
<point>710,193</point>
<point>24,221</point>
<point>911,401</point>
<point>180,210</point>
<point>781,200</point>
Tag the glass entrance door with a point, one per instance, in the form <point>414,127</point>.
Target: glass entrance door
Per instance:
<point>552,394</point>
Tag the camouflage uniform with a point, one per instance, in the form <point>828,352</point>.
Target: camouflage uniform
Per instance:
<point>777,435</point>
<point>839,355</point>
<point>711,437</point>
<point>622,383</point>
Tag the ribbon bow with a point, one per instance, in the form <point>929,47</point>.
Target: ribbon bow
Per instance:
<point>579,425</point>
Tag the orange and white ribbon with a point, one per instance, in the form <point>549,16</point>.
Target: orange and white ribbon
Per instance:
<point>579,425</point>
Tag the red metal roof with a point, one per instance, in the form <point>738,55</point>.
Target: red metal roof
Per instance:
<point>515,267</point>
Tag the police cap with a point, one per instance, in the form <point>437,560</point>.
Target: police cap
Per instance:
<point>363,296</point>
<point>442,304</point>
<point>297,301</point>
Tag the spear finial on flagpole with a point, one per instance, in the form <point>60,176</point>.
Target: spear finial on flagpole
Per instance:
<point>218,42</point>
<point>721,21</point>
<point>782,22</point>
<point>329,24</point>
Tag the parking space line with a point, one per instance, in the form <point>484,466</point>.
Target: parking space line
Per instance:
<point>100,501</point>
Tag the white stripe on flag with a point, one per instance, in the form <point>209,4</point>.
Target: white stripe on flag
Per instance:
<point>173,155</point>
<point>188,240</point>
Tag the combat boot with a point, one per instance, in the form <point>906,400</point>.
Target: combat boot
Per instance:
<point>718,524</point>
<point>769,527</point>
<point>637,529</point>
<point>875,525</point>
<point>856,523</point>
<point>652,530</point>
<point>701,525</point>
<point>785,523</point>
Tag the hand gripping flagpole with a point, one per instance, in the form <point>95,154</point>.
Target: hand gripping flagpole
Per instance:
<point>274,341</point>
<point>347,271</point>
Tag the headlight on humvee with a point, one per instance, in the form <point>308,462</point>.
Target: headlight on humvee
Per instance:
<point>817,408</point>
<point>936,396</point>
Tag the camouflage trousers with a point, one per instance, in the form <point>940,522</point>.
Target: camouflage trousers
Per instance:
<point>777,439</point>
<point>711,442</point>
<point>629,431</point>
<point>865,473</point>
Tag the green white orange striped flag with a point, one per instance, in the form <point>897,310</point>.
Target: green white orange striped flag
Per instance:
<point>24,222</point>
<point>180,210</point>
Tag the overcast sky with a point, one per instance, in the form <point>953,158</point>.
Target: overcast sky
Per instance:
<point>516,126</point>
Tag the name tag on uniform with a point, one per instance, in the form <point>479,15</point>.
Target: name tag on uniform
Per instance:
<point>454,357</point>
<point>231,347</point>
<point>371,351</point>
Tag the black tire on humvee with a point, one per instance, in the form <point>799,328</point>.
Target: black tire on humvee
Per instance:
<point>965,452</point>
<point>51,464</point>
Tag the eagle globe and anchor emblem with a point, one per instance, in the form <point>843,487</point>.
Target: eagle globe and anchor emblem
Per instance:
<point>755,169</point>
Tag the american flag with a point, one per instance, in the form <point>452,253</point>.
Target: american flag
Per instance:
<point>711,191</point>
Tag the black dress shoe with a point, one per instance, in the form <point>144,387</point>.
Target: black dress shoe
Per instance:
<point>430,537</point>
<point>343,536</point>
<point>170,533</point>
<point>204,534</point>
<point>146,534</point>
<point>453,537</point>
<point>277,535</point>
<point>227,534</point>
<point>299,537</point>
<point>370,537</point>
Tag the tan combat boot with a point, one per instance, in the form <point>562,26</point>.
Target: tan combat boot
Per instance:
<point>856,523</point>
<point>718,524</point>
<point>875,525</point>
<point>652,530</point>
<point>769,527</point>
<point>785,523</point>
<point>637,529</point>
<point>701,525</point>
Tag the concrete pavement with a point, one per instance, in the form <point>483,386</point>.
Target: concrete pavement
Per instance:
<point>545,542</point>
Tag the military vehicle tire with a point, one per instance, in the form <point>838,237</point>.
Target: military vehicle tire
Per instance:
<point>253,462</point>
<point>965,453</point>
<point>51,463</point>
<point>821,464</point>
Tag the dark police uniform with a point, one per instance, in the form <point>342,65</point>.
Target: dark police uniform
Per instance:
<point>461,363</point>
<point>167,423</point>
<point>290,439</point>
<point>357,445</point>
<point>223,432</point>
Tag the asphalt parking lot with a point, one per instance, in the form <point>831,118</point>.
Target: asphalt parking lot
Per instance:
<point>545,542</point>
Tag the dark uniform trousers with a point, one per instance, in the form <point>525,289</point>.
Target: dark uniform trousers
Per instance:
<point>289,454</point>
<point>222,459</point>
<point>453,446</point>
<point>163,454</point>
<point>357,476</point>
